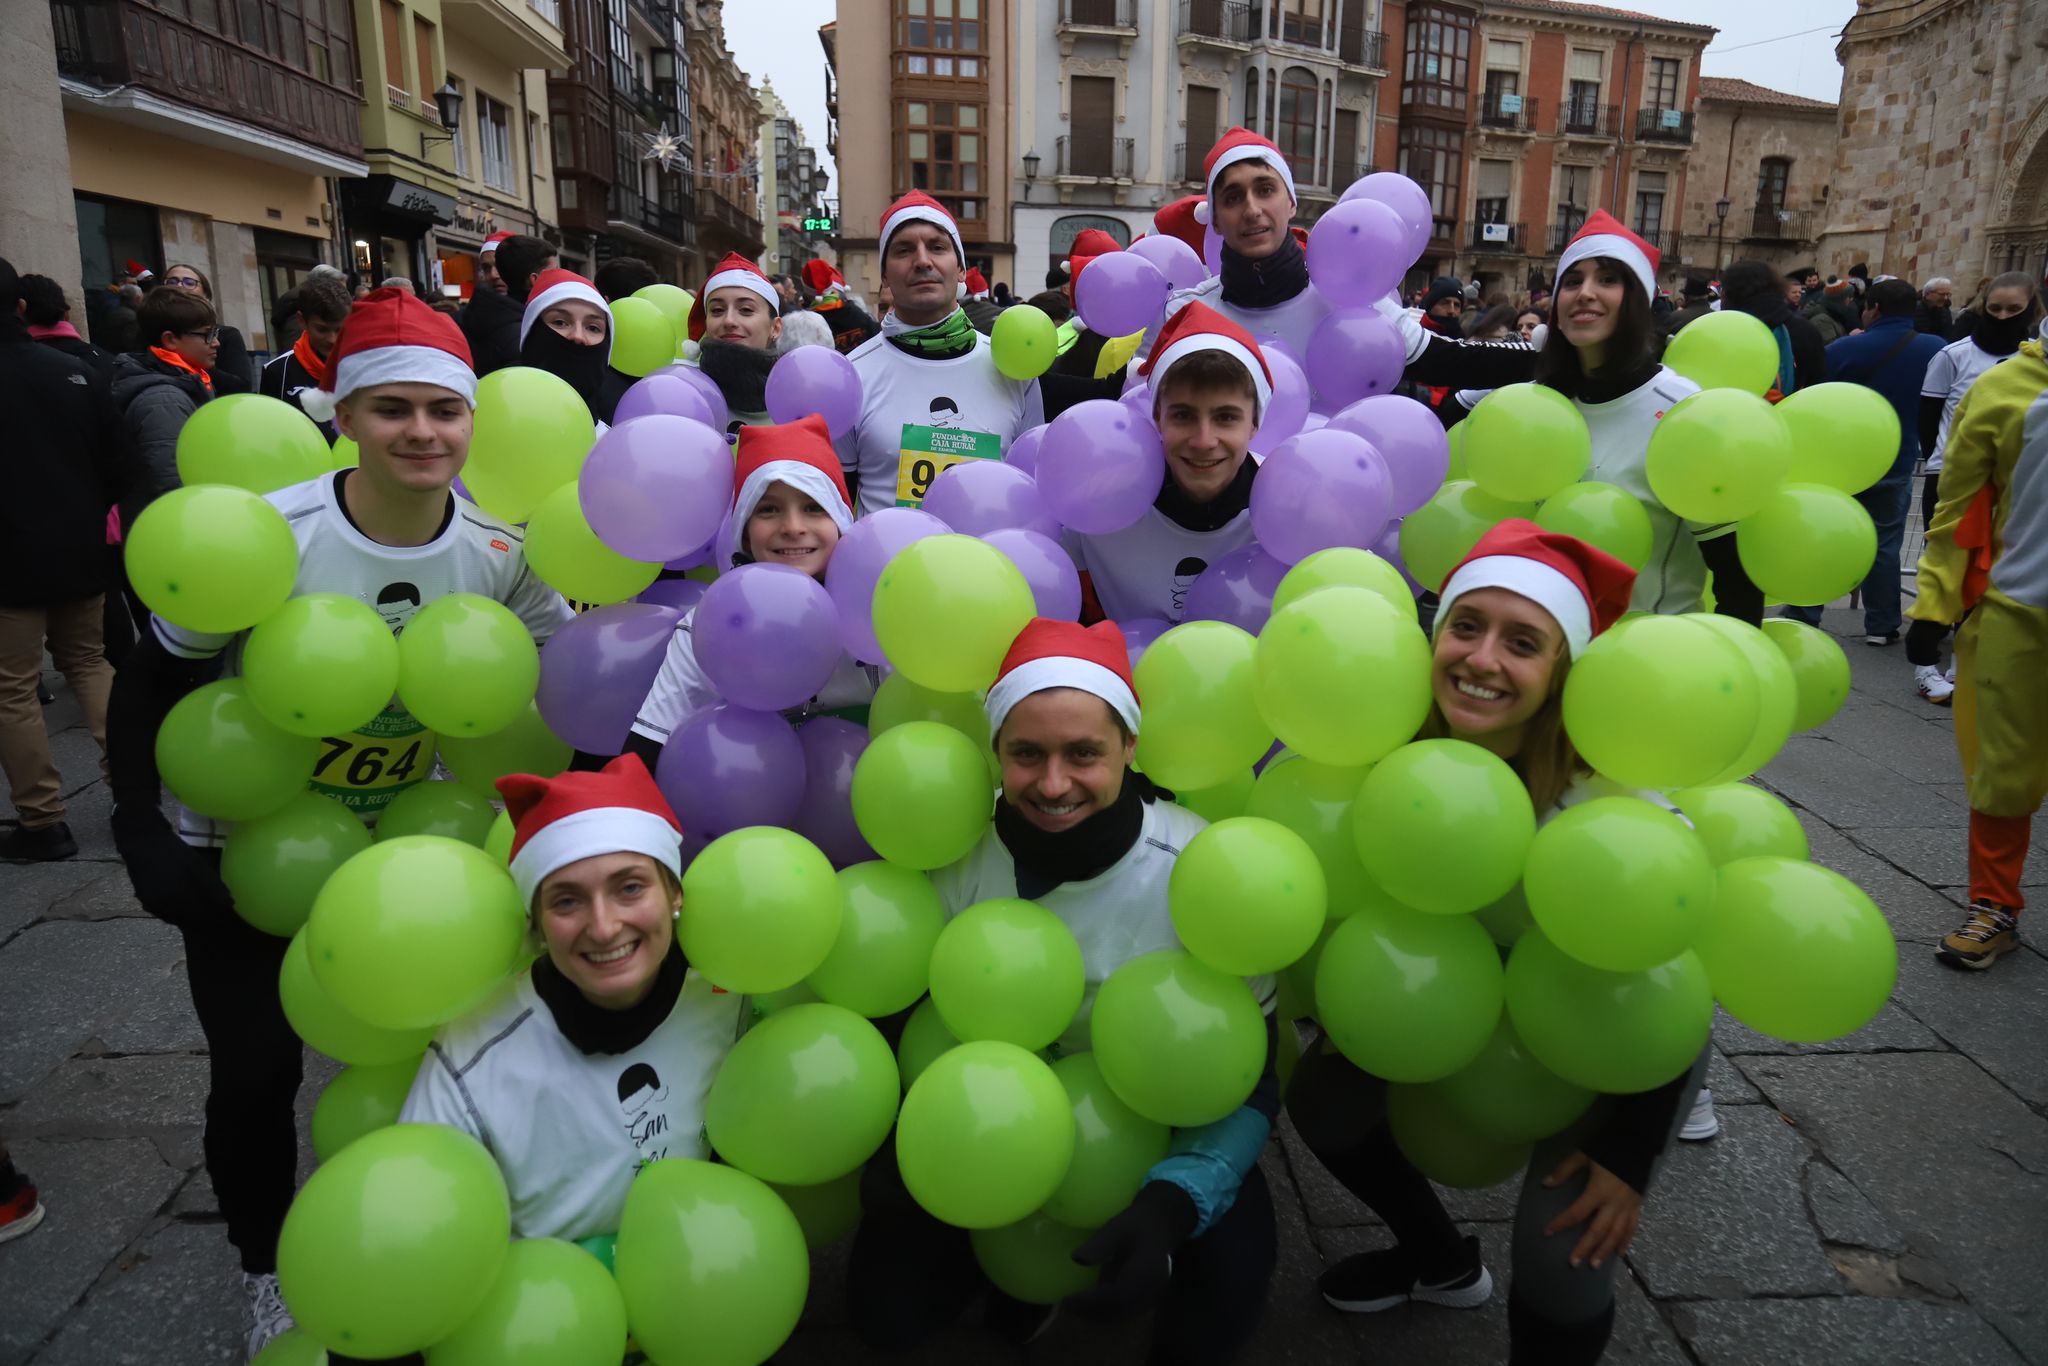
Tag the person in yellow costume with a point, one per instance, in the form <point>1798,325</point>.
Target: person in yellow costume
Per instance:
<point>1987,556</point>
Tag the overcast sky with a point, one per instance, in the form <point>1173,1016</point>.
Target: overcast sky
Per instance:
<point>1760,40</point>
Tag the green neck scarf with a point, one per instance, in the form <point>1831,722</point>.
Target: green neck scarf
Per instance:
<point>951,336</point>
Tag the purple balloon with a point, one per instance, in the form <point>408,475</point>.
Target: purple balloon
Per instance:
<point>857,564</point>
<point>1319,490</point>
<point>681,594</point>
<point>1288,407</point>
<point>1140,632</point>
<point>976,497</point>
<point>1212,251</point>
<point>1314,422</point>
<point>1023,452</point>
<point>700,556</point>
<point>815,379</point>
<point>1139,400</point>
<point>1237,588</point>
<point>728,768</point>
<point>1410,203</point>
<point>767,636</point>
<point>713,396</point>
<point>1354,353</point>
<point>1175,259</point>
<point>595,672</point>
<point>1388,548</point>
<point>1118,294</point>
<point>1271,342</point>
<point>656,488</point>
<point>832,746</point>
<point>1055,583</point>
<point>662,394</point>
<point>1409,438</point>
<point>1100,467</point>
<point>1354,252</point>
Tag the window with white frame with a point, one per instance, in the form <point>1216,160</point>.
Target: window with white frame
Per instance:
<point>1583,73</point>
<point>494,139</point>
<point>459,146</point>
<point>1649,204</point>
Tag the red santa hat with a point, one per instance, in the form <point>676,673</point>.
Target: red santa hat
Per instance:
<point>919,207</point>
<point>140,271</point>
<point>1066,654</point>
<point>1089,243</point>
<point>799,454</point>
<point>1584,588</point>
<point>976,283</point>
<point>1198,327</point>
<point>391,337</point>
<point>1604,235</point>
<point>574,816</point>
<point>735,271</point>
<point>821,277</point>
<point>556,286</point>
<point>1178,220</point>
<point>1239,144</point>
<point>490,246</point>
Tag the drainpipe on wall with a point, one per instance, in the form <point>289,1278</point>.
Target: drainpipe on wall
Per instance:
<point>1621,133</point>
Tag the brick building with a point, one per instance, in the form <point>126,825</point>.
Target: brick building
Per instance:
<point>1758,178</point>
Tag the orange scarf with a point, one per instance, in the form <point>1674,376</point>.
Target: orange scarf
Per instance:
<point>173,358</point>
<point>302,351</point>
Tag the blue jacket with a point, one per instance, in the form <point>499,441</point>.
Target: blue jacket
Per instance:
<point>1862,360</point>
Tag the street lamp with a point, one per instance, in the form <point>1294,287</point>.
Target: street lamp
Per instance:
<point>1721,207</point>
<point>448,104</point>
<point>1031,160</point>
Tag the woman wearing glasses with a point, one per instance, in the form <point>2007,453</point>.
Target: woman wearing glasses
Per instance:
<point>160,385</point>
<point>232,371</point>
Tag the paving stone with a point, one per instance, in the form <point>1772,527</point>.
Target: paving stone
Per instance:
<point>1728,1084</point>
<point>60,981</point>
<point>106,896</point>
<point>1841,1332</point>
<point>1893,1031</point>
<point>195,1199</point>
<point>1919,754</point>
<point>1299,1329</point>
<point>32,887</point>
<point>1844,1215</point>
<point>161,1020</point>
<point>1840,785</point>
<point>160,1098</point>
<point>101,1194</point>
<point>1940,857</point>
<point>1915,911</point>
<point>176,1298</point>
<point>1998,1017</point>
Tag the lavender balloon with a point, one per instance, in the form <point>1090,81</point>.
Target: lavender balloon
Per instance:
<point>1354,353</point>
<point>1237,588</point>
<point>595,672</point>
<point>767,636</point>
<point>656,487</point>
<point>1319,490</point>
<point>1388,548</point>
<point>1409,438</point>
<point>1176,260</point>
<point>857,564</point>
<point>728,768</point>
<point>1212,251</point>
<point>1355,252</point>
<point>662,394</point>
<point>692,559</point>
<point>1023,452</point>
<point>1055,583</point>
<point>976,497</point>
<point>1140,632</point>
<point>1408,200</point>
<point>1138,399</point>
<point>1288,407</point>
<point>815,379</point>
<point>1101,467</point>
<point>1118,294</point>
<point>832,747</point>
<point>713,396</point>
<point>681,594</point>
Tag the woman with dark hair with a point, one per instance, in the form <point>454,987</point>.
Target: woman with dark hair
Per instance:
<point>232,371</point>
<point>1754,288</point>
<point>1492,325</point>
<point>735,324</point>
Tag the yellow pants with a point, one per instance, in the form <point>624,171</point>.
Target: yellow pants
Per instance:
<point>2001,705</point>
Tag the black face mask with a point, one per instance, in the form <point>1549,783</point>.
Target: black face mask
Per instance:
<point>2001,336</point>
<point>740,372</point>
<point>583,368</point>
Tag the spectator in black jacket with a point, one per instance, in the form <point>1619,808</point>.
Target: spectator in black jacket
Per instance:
<point>1933,315</point>
<point>491,322</point>
<point>323,306</point>
<point>1754,288</point>
<point>156,389</point>
<point>850,323</point>
<point>621,276</point>
<point>232,370</point>
<point>48,315</point>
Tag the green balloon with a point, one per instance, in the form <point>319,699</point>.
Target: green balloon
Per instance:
<point>1310,670</point>
<point>1443,826</point>
<point>466,665</point>
<point>1443,1147</point>
<point>1010,970</point>
<point>569,558</point>
<point>643,338</point>
<point>275,865</point>
<point>1717,455</point>
<point>553,1304</point>
<point>1612,1032</point>
<point>601,1246</point>
<point>1440,533</point>
<point>711,1262</point>
<point>532,433</point>
<point>322,664</point>
<point>880,962</point>
<point>1797,951</point>
<point>1344,567</point>
<point>1409,996</point>
<point>1777,694</point>
<point>827,1211</point>
<point>760,909</point>
<point>358,1100</point>
<point>1033,1259</point>
<point>1820,671</point>
<point>442,808</point>
<point>391,1245</point>
<point>1507,919</point>
<point>806,1095</point>
<point>1602,515</point>
<point>946,610</point>
<point>524,746</point>
<point>1222,801</point>
<point>985,1135</point>
<point>212,558</point>
<point>763,1004</point>
<point>1457,469</point>
<point>221,758</point>
<point>1202,725</point>
<point>1726,350</point>
<point>344,454</point>
<point>1507,1096</point>
<point>1808,545</point>
<point>1247,896</point>
<point>327,1028</point>
<point>1843,435</point>
<point>1295,996</point>
<point>414,931</point>
<point>921,794</point>
<point>292,1348</point>
<point>1630,686</point>
<point>1619,883</point>
<point>898,700</point>
<point>1024,342</point>
<point>1524,442</point>
<point>1178,1041</point>
<point>1738,821</point>
<point>251,441</point>
<point>674,302</point>
<point>498,842</point>
<point>925,1039</point>
<point>1114,1148</point>
<point>1314,801</point>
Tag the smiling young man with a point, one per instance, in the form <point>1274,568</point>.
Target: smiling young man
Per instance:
<point>389,531</point>
<point>928,351</point>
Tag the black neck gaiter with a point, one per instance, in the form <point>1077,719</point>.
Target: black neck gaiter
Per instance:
<point>589,1027</point>
<point>740,372</point>
<point>1044,860</point>
<point>1268,281</point>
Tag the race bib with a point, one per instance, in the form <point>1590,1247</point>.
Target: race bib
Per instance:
<point>365,770</point>
<point>928,452</point>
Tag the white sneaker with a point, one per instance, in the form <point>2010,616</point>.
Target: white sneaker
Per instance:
<point>1950,672</point>
<point>1702,1124</point>
<point>1933,685</point>
<point>267,1315</point>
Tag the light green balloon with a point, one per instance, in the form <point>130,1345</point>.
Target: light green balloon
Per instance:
<point>1202,724</point>
<point>447,809</point>
<point>898,700</point>
<point>1314,801</point>
<point>1619,883</point>
<point>921,794</point>
<point>1409,996</point>
<point>1024,342</point>
<point>1507,1096</point>
<point>221,757</point>
<point>322,664</point>
<point>1222,801</point>
<point>806,1095</point>
<point>1611,1032</point>
<point>1114,1147</point>
<point>673,301</point>
<point>532,434</point>
<point>1247,896</point>
<point>1736,821</point>
<point>1178,1041</point>
<point>1843,435</point>
<point>1808,544</point>
<point>643,337</point>
<point>1777,692</point>
<point>1725,350</point>
<point>1524,442</point>
<point>763,1004</point>
<point>1443,826</point>
<point>1820,671</point>
<point>1797,951</point>
<point>344,454</point>
<point>761,908</point>
<point>569,558</point>
<point>925,1039</point>
<point>1311,670</point>
<point>292,1348</point>
<point>1007,969</point>
<point>1631,687</point>
<point>880,962</point>
<point>1344,566</point>
<point>327,1028</point>
<point>985,1135</point>
<point>946,610</point>
<point>553,1304</point>
<point>1033,1259</point>
<point>1440,533</point>
<point>1443,1147</point>
<point>827,1211</point>
<point>524,746</point>
<point>1718,455</point>
<point>466,665</point>
<point>213,558</point>
<point>251,441</point>
<point>498,842</point>
<point>1604,516</point>
<point>358,1100</point>
<point>276,865</point>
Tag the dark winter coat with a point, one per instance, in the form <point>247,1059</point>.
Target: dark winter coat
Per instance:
<point>233,372</point>
<point>490,323</point>
<point>154,399</point>
<point>284,378</point>
<point>63,461</point>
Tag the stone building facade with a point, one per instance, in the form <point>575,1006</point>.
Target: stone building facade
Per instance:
<point>1767,156</point>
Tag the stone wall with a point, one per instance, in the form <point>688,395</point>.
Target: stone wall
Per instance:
<point>39,228</point>
<point>1727,160</point>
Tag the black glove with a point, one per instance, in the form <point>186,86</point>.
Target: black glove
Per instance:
<point>174,881</point>
<point>1135,1252</point>
<point>1923,642</point>
<point>882,1192</point>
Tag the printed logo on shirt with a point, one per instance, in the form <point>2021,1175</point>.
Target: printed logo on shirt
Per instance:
<point>499,545</point>
<point>641,1095</point>
<point>1184,575</point>
<point>396,603</point>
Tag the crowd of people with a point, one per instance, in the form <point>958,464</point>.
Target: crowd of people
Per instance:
<point>597,853</point>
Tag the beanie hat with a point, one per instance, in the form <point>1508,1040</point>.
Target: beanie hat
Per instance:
<point>821,277</point>
<point>735,271</point>
<point>1441,288</point>
<point>799,454</point>
<point>1065,654</point>
<point>1584,588</point>
<point>490,246</point>
<point>554,286</point>
<point>1838,288</point>
<point>1239,144</point>
<point>1198,327</point>
<point>563,820</point>
<point>1178,220</point>
<point>392,337</point>
<point>919,207</point>
<point>1604,235</point>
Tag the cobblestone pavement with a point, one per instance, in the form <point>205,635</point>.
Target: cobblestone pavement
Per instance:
<point>1873,1201</point>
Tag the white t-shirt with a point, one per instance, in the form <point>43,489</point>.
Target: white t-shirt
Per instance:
<point>473,553</point>
<point>569,1129</point>
<point>681,689</point>
<point>1118,915</point>
<point>899,390</point>
<point>1293,321</point>
<point>1949,376</point>
<point>1146,569</point>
